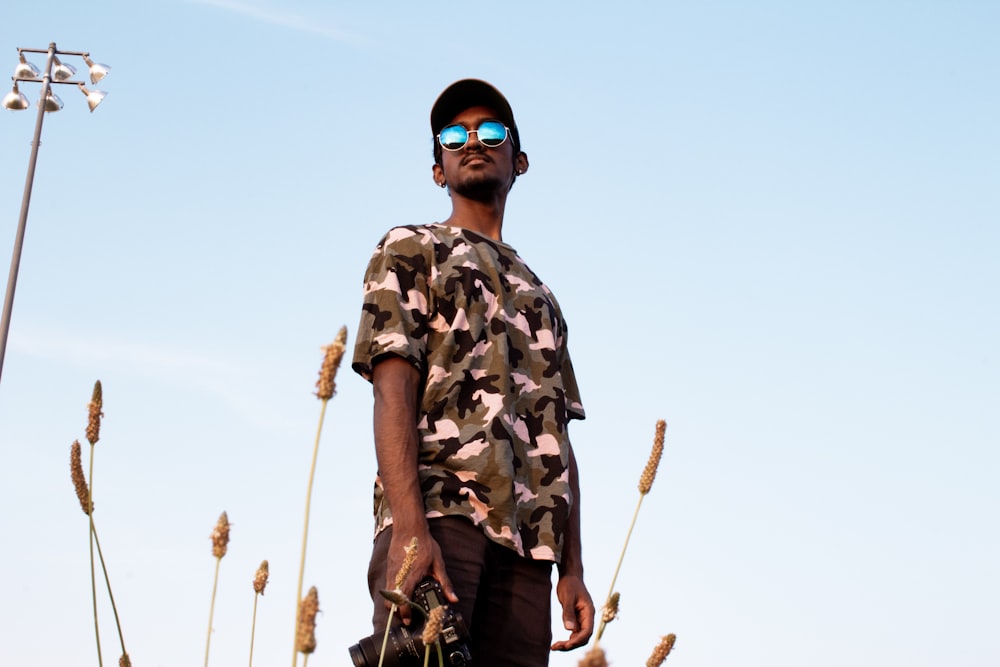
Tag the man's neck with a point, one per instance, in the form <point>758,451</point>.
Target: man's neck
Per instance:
<point>485,218</point>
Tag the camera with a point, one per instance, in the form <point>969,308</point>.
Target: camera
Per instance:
<point>405,646</point>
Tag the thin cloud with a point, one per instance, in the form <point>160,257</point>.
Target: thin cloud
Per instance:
<point>205,371</point>
<point>282,19</point>
<point>81,350</point>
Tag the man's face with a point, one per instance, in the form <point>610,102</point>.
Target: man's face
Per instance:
<point>477,171</point>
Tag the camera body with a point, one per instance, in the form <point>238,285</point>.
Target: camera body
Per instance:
<point>404,645</point>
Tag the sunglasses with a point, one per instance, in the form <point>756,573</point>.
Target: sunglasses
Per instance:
<point>491,133</point>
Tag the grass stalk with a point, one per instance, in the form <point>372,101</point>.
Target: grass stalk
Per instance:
<point>211,609</point>
<point>618,567</point>
<point>107,583</point>
<point>305,527</point>
<point>253,627</point>
<point>385,637</point>
<point>259,582</point>
<point>326,387</point>
<point>220,544</point>
<point>84,492</point>
<point>645,485</point>
<point>93,576</point>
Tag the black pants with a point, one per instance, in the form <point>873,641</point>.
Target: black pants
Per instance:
<point>504,599</point>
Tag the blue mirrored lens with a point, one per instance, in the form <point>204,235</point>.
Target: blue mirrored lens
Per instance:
<point>453,137</point>
<point>492,133</point>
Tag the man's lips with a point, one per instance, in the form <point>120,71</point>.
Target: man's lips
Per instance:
<point>475,157</point>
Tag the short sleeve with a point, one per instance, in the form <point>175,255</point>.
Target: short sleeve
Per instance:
<point>574,405</point>
<point>394,312</point>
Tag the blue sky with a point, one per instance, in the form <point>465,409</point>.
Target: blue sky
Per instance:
<point>774,225</point>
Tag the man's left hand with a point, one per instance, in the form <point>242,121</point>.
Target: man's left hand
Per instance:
<point>577,612</point>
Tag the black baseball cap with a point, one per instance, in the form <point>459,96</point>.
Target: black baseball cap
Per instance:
<point>467,93</point>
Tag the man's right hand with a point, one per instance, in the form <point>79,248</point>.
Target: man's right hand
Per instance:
<point>427,563</point>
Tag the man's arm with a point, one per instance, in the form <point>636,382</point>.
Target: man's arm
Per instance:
<point>396,385</point>
<point>577,607</point>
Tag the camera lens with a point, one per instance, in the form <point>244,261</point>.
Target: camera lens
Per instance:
<point>402,649</point>
<point>364,653</point>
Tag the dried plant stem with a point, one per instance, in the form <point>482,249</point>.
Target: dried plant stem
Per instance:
<point>259,583</point>
<point>93,534</point>
<point>326,387</point>
<point>85,494</point>
<point>427,654</point>
<point>107,582</point>
<point>618,567</point>
<point>211,609</point>
<point>220,544</point>
<point>645,484</point>
<point>253,626</point>
<point>385,637</point>
<point>305,528</point>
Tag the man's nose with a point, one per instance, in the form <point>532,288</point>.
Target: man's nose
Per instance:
<point>477,145</point>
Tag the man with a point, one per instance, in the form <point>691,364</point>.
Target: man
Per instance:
<point>474,389</point>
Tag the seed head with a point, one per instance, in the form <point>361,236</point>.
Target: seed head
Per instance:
<point>79,481</point>
<point>395,597</point>
<point>432,628</point>
<point>220,536</point>
<point>649,473</point>
<point>594,658</point>
<point>326,387</point>
<point>661,652</point>
<point>124,661</point>
<point>94,414</point>
<point>404,569</point>
<point>610,610</point>
<point>260,579</point>
<point>305,638</point>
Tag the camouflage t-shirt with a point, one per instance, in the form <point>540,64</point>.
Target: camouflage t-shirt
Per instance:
<point>498,388</point>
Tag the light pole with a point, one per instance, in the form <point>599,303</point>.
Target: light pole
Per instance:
<point>55,72</point>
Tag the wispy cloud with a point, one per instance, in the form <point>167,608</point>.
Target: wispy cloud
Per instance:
<point>202,371</point>
<point>82,350</point>
<point>281,18</point>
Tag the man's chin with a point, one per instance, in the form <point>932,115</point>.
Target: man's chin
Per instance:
<point>483,188</point>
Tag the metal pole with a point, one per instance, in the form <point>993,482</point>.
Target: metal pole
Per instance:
<point>22,222</point>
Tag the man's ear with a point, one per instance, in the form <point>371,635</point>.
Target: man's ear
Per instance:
<point>521,163</point>
<point>438,175</point>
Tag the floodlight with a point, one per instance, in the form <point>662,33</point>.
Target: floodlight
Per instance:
<point>15,100</point>
<point>94,97</point>
<point>97,70</point>
<point>52,102</point>
<point>25,70</point>
<point>62,71</point>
